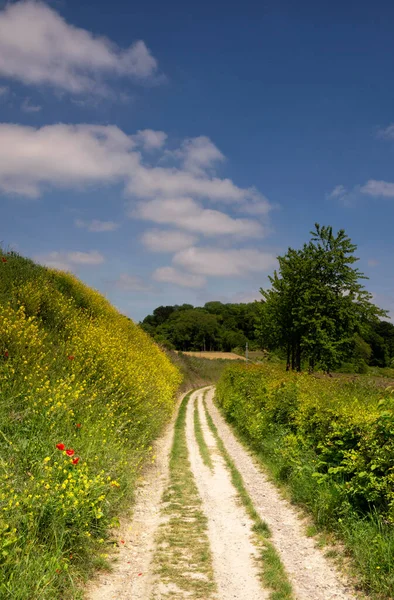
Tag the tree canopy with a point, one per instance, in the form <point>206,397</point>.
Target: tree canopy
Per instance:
<point>316,304</point>
<point>215,326</point>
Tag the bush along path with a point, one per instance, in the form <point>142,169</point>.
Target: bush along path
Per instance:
<point>221,532</point>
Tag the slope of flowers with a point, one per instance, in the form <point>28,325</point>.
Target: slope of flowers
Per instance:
<point>332,442</point>
<point>83,392</point>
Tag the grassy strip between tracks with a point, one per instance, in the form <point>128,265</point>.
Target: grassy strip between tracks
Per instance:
<point>273,573</point>
<point>202,445</point>
<point>183,559</point>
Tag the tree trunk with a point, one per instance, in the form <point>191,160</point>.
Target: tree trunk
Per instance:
<point>293,360</point>
<point>298,356</point>
<point>288,358</point>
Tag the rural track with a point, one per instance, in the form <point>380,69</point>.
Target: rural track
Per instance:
<point>312,576</point>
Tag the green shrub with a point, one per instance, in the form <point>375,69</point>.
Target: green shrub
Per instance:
<point>332,442</point>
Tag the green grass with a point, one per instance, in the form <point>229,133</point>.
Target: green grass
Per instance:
<point>202,445</point>
<point>183,558</point>
<point>273,573</point>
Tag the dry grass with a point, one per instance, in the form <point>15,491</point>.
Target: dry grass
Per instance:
<point>216,355</point>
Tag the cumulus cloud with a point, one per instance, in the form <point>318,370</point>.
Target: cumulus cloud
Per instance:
<point>199,154</point>
<point>80,155</point>
<point>378,188</point>
<point>149,182</point>
<point>132,283</point>
<point>338,191</point>
<point>150,139</point>
<point>215,262</point>
<point>63,156</point>
<point>158,240</point>
<point>172,275</point>
<point>37,46</point>
<point>67,261</point>
<point>187,214</point>
<point>97,226</point>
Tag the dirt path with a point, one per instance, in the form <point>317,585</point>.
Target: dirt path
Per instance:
<point>229,527</point>
<point>312,576</point>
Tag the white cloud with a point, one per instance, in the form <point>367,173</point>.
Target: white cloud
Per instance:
<point>246,297</point>
<point>338,191</point>
<point>37,47</point>
<point>28,107</point>
<point>378,188</point>
<point>171,275</point>
<point>150,139</point>
<point>62,156</point>
<point>199,154</point>
<point>149,182</point>
<point>80,155</point>
<point>158,240</point>
<point>86,258</point>
<point>187,214</point>
<point>257,206</point>
<point>131,283</point>
<point>4,91</point>
<point>97,226</point>
<point>215,262</point>
<point>66,261</point>
<point>386,133</point>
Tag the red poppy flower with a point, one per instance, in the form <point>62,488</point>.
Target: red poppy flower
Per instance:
<point>6,354</point>
<point>71,357</point>
<point>75,460</point>
<point>60,446</point>
<point>70,452</point>
<point>4,260</point>
<point>78,425</point>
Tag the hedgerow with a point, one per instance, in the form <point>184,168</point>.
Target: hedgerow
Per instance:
<point>332,442</point>
<point>83,393</point>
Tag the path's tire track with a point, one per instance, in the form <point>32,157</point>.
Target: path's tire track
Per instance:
<point>132,575</point>
<point>311,575</point>
<point>229,527</point>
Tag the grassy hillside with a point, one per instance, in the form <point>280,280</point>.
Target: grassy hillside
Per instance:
<point>331,441</point>
<point>83,392</point>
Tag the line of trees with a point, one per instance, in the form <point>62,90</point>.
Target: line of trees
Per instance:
<point>215,326</point>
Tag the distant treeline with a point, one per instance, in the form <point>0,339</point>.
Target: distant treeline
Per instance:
<point>215,326</point>
<point>224,327</point>
<point>315,314</point>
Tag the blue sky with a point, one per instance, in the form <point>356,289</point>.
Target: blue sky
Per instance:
<point>168,152</point>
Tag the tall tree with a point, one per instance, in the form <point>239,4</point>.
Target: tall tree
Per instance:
<point>316,303</point>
